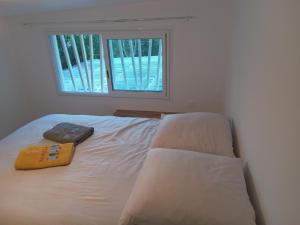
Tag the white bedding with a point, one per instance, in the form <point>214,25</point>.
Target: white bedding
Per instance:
<point>93,189</point>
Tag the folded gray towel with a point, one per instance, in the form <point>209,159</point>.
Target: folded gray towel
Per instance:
<point>69,133</point>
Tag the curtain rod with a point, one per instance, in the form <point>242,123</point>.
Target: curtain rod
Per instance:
<point>109,20</point>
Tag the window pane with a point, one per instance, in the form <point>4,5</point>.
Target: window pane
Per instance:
<point>136,64</point>
<point>81,61</point>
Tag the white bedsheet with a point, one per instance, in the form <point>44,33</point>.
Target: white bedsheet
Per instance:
<point>93,189</point>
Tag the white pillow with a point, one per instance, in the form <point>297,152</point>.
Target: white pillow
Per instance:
<point>189,188</point>
<point>202,132</point>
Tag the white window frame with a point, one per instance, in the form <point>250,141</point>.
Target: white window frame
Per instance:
<point>118,34</point>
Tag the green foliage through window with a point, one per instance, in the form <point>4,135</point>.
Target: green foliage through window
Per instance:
<point>135,64</point>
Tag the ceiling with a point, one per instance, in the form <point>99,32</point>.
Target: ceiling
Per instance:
<point>22,7</point>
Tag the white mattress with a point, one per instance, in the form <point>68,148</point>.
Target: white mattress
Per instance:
<point>93,189</point>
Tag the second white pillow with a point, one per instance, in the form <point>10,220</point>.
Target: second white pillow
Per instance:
<point>201,132</point>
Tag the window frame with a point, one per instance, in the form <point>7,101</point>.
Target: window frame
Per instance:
<point>117,34</point>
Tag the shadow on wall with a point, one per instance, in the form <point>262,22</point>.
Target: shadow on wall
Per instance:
<point>260,220</point>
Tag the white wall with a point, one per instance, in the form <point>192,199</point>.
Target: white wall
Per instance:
<point>263,100</point>
<point>200,53</point>
<point>12,99</point>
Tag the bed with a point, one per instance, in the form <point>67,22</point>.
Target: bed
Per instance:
<point>93,189</point>
<point>177,170</point>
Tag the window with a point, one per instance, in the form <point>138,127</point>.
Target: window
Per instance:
<point>125,64</point>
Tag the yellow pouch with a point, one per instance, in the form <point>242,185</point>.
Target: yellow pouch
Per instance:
<point>38,157</point>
